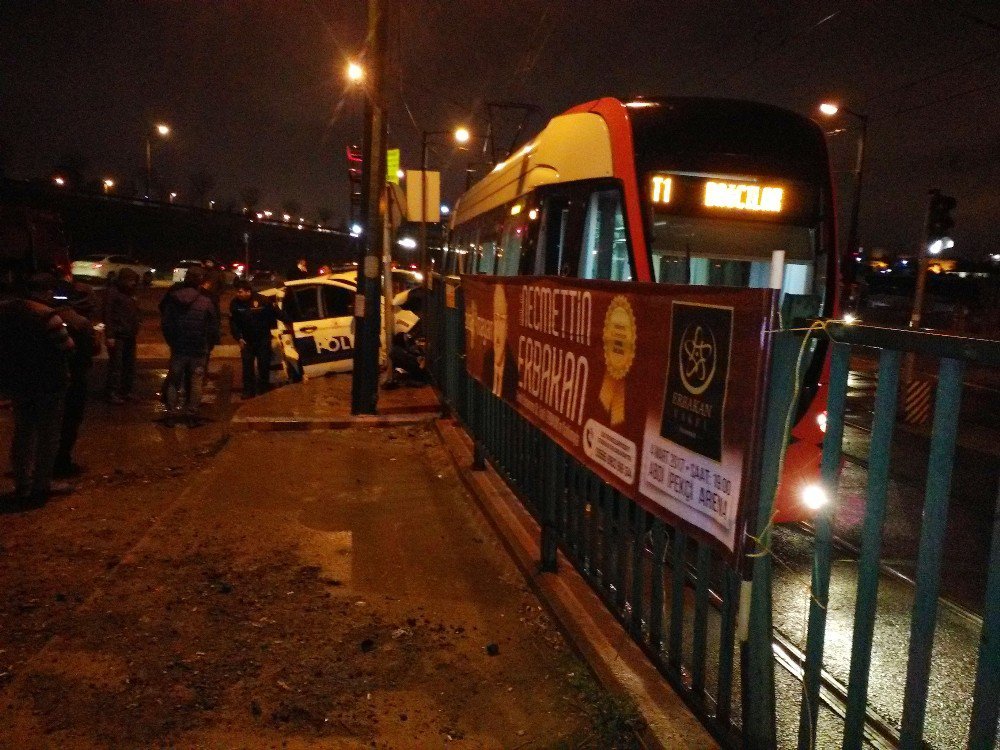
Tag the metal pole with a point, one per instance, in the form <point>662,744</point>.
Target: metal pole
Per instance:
<point>149,167</point>
<point>367,315</point>
<point>423,210</point>
<point>852,236</point>
<point>918,297</point>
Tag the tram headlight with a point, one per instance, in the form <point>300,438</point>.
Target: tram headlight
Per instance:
<point>814,496</point>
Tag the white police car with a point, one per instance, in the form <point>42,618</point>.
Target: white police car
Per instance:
<point>322,313</point>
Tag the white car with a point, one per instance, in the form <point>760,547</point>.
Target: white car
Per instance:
<point>322,313</point>
<point>403,279</point>
<point>107,267</point>
<point>181,269</point>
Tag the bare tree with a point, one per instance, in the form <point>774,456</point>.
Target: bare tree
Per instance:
<point>202,185</point>
<point>250,196</point>
<point>73,168</point>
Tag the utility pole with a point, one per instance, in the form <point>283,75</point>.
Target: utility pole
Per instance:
<point>364,386</point>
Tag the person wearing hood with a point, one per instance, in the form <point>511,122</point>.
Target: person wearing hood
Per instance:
<point>35,347</point>
<point>121,329</point>
<point>74,302</point>
<point>190,327</point>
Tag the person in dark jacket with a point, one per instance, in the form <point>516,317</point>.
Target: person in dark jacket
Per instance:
<point>251,318</point>
<point>191,327</point>
<point>74,303</point>
<point>34,373</point>
<point>121,329</point>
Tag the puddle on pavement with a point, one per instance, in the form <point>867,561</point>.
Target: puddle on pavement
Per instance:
<point>333,551</point>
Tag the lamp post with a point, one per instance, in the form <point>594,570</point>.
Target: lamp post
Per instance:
<point>163,130</point>
<point>830,109</point>
<point>107,184</point>
<point>461,136</point>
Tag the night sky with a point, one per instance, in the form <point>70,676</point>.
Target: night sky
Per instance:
<point>256,95</point>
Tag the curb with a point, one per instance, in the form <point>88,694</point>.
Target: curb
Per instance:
<point>618,663</point>
<point>279,424</point>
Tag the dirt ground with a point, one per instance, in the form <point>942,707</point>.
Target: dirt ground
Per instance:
<point>288,590</point>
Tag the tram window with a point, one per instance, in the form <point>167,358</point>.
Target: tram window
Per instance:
<point>561,233</point>
<point>605,249</point>
<point>690,250</point>
<point>509,261</point>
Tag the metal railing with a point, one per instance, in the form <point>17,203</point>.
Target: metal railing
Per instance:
<point>681,602</point>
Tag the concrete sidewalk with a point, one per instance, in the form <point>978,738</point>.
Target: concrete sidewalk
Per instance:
<point>325,403</point>
<point>594,633</point>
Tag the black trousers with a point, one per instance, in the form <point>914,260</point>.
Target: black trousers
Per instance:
<point>72,417</point>
<point>256,355</point>
<point>121,366</point>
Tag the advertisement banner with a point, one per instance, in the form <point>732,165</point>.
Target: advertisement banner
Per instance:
<point>656,388</point>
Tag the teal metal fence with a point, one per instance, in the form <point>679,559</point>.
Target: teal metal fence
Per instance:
<point>681,603</point>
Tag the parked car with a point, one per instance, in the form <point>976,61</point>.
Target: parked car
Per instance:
<point>107,267</point>
<point>403,279</point>
<point>181,269</point>
<point>261,277</point>
<point>322,313</point>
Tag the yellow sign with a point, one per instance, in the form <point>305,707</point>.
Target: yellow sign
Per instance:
<point>662,187</point>
<point>743,197</point>
<point>392,166</point>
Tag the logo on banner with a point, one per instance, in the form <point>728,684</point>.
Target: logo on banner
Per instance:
<point>701,337</point>
<point>619,353</point>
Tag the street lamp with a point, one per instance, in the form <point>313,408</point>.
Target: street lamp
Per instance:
<point>172,196</point>
<point>163,130</point>
<point>830,109</point>
<point>461,135</point>
<point>355,73</point>
<point>107,183</point>
<point>59,181</point>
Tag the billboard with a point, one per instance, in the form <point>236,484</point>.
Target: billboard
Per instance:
<point>656,388</point>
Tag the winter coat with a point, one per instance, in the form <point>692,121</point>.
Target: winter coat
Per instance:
<point>121,314</point>
<point>252,320</point>
<point>34,349</point>
<point>189,321</point>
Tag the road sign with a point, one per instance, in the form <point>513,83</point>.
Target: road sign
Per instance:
<point>392,166</point>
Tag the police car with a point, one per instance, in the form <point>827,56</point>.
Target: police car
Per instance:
<point>321,311</point>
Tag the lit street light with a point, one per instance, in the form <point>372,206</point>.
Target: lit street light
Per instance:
<point>830,110</point>
<point>355,73</point>
<point>60,181</point>
<point>461,135</point>
<point>108,184</point>
<point>163,130</point>
<point>172,196</point>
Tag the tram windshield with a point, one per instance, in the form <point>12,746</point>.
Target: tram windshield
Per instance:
<point>720,252</point>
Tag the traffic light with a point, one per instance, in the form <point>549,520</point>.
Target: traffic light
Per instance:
<point>939,219</point>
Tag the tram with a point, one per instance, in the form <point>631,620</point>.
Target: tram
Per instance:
<point>678,190</point>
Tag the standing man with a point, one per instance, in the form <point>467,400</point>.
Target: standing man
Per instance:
<point>121,325</point>
<point>299,271</point>
<point>251,318</point>
<point>34,373</point>
<point>190,326</point>
<point>74,303</point>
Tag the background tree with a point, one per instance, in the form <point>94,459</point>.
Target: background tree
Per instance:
<point>292,208</point>
<point>250,197</point>
<point>73,168</point>
<point>202,184</point>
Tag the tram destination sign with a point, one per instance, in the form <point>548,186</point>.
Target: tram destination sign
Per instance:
<point>656,388</point>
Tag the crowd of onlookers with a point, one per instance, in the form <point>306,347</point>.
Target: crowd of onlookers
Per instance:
<point>51,330</point>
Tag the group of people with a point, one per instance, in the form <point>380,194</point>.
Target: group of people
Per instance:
<point>47,346</point>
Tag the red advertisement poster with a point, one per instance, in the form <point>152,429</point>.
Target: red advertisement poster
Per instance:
<point>656,388</point>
